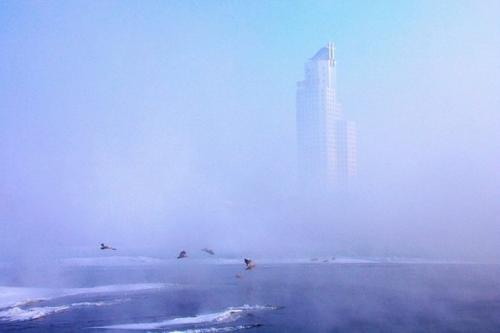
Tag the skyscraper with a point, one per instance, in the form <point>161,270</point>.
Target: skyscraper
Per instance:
<point>326,140</point>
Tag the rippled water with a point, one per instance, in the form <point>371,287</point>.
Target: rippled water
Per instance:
<point>188,296</point>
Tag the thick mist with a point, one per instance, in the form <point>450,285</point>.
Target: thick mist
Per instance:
<point>162,126</point>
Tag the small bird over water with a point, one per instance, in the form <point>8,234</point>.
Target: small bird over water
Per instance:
<point>250,264</point>
<point>106,247</point>
<point>209,251</point>
<point>182,254</point>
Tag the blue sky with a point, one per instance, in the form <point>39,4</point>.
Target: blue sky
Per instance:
<point>125,111</point>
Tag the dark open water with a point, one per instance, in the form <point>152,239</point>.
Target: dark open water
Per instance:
<point>272,298</point>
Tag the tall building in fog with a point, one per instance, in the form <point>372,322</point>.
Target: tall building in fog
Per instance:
<point>326,140</point>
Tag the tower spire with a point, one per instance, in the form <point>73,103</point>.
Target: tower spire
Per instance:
<point>331,52</point>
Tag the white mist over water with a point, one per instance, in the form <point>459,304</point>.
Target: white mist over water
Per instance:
<point>157,127</point>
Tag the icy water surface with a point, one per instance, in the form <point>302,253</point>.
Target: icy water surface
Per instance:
<point>187,296</point>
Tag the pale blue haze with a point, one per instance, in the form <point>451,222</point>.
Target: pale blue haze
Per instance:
<point>162,124</point>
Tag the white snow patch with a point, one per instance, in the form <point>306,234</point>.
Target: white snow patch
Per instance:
<point>18,296</point>
<point>229,315</point>
<point>217,329</point>
<point>21,314</point>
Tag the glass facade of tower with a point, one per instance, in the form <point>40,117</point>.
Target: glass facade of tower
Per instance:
<point>326,140</point>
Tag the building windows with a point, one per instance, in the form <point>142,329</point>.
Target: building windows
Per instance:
<point>324,135</point>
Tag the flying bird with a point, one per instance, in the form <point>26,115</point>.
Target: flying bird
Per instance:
<point>249,263</point>
<point>182,254</point>
<point>106,247</point>
<point>209,251</point>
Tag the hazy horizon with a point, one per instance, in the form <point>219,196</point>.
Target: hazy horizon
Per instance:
<point>158,126</point>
